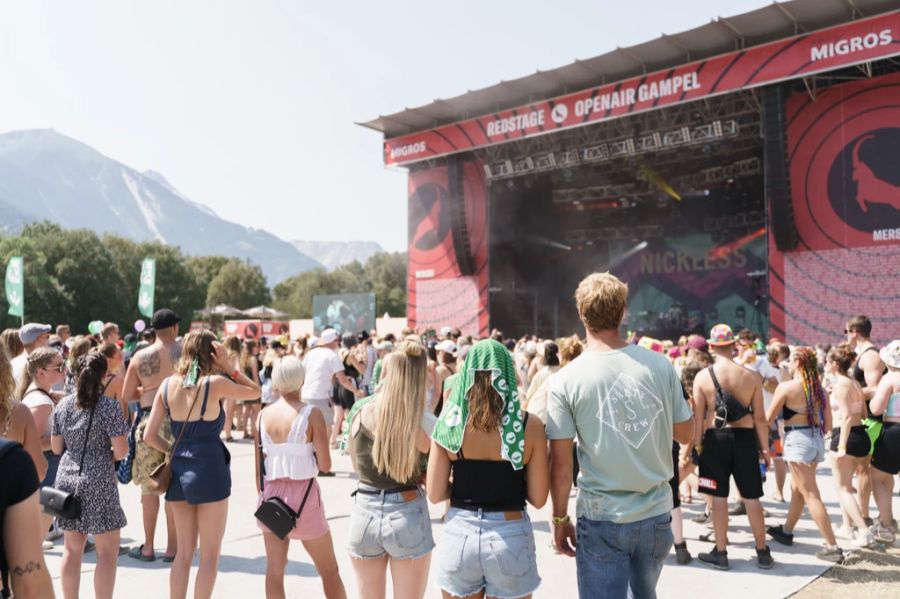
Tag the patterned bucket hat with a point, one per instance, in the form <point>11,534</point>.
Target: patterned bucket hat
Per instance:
<point>721,334</point>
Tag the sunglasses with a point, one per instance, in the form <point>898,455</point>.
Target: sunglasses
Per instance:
<point>57,368</point>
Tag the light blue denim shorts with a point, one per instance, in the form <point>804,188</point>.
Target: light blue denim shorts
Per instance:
<point>386,524</point>
<point>483,550</point>
<point>803,445</point>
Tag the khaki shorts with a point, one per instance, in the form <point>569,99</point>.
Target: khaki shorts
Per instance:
<point>146,458</point>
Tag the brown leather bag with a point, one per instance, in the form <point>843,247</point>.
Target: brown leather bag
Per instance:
<point>161,477</point>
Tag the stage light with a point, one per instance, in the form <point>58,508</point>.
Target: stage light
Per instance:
<point>595,153</point>
<point>567,158</point>
<point>544,162</point>
<point>523,165</point>
<point>501,169</point>
<point>624,147</point>
<point>625,256</point>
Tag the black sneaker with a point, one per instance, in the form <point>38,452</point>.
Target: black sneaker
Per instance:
<point>738,510</point>
<point>833,554</point>
<point>716,559</point>
<point>682,555</point>
<point>778,533</point>
<point>764,558</point>
<point>868,521</point>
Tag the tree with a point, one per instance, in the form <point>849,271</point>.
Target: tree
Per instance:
<point>238,284</point>
<point>383,274</point>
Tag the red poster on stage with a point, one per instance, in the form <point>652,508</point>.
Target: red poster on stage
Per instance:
<point>844,45</point>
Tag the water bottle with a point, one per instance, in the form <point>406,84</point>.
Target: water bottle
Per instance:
<point>762,470</point>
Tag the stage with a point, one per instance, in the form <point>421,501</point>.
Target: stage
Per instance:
<point>726,177</point>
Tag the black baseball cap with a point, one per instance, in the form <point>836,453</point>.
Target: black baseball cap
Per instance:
<point>164,318</point>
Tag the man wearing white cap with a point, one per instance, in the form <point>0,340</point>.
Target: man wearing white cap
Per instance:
<point>32,336</point>
<point>323,365</point>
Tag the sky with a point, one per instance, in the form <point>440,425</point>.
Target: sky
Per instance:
<point>250,106</point>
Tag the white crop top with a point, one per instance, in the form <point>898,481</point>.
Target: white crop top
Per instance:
<point>295,458</point>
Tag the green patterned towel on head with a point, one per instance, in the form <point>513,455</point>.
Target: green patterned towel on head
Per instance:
<point>485,356</point>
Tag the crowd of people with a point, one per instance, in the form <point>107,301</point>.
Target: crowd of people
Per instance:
<point>481,427</point>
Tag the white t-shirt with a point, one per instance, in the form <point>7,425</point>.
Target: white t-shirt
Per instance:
<point>764,368</point>
<point>37,398</point>
<point>18,366</point>
<point>321,364</point>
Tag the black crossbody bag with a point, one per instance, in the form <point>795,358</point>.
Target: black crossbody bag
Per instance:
<point>273,513</point>
<point>63,504</point>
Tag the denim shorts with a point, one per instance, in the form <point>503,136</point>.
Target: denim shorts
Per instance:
<point>483,550</point>
<point>804,446</point>
<point>386,524</point>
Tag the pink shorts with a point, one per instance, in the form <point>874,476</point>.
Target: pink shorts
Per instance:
<point>311,524</point>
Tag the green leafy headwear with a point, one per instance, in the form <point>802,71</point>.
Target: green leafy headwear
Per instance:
<point>485,356</point>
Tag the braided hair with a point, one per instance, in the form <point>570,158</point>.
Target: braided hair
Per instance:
<point>89,384</point>
<point>816,399</point>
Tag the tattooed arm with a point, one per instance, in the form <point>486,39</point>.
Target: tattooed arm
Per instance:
<point>28,573</point>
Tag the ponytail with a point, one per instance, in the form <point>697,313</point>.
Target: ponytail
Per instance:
<point>89,384</point>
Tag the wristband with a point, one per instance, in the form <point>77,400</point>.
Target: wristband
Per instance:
<point>561,520</point>
<point>234,374</point>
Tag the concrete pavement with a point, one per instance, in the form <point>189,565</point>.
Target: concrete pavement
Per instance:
<point>243,562</point>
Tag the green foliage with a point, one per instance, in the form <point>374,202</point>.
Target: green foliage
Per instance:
<point>238,284</point>
<point>76,276</point>
<point>384,274</point>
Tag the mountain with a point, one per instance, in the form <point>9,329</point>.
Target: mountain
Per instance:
<point>332,254</point>
<point>45,175</point>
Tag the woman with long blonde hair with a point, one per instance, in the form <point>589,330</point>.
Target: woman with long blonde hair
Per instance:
<point>389,523</point>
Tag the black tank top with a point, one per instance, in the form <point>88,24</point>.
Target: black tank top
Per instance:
<point>859,375</point>
<point>491,485</point>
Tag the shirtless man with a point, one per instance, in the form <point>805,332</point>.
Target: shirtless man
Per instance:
<point>735,439</point>
<point>147,370</point>
<point>867,371</point>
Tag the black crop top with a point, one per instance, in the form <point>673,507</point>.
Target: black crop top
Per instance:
<point>787,413</point>
<point>491,485</point>
<point>728,408</point>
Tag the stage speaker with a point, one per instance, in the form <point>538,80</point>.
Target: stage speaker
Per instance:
<point>777,174</point>
<point>460,230</point>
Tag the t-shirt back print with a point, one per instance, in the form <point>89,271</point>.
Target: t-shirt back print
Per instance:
<point>630,409</point>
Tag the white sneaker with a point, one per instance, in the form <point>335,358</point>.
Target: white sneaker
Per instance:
<point>844,532</point>
<point>882,534</point>
<point>54,533</point>
<point>863,539</point>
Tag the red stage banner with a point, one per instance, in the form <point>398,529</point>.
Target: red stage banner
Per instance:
<point>800,56</point>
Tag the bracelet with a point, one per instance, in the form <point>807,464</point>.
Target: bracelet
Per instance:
<point>560,519</point>
<point>234,374</point>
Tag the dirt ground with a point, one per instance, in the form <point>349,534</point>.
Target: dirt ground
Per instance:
<point>865,574</point>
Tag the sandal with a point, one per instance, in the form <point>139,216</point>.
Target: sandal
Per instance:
<point>168,558</point>
<point>138,554</point>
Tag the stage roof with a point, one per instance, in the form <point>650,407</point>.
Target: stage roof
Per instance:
<point>776,21</point>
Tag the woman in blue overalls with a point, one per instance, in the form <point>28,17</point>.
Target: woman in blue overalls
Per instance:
<point>201,476</point>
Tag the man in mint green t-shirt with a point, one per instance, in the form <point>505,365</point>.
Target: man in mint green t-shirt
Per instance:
<point>624,404</point>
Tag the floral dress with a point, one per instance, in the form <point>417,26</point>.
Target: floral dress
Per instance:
<point>96,487</point>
